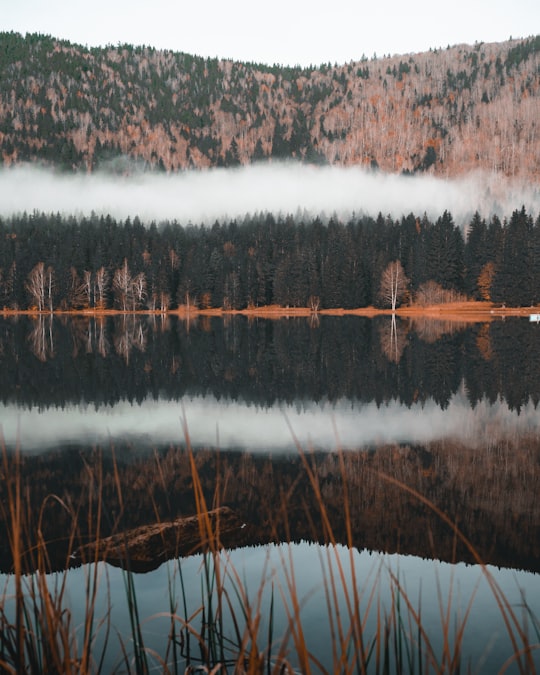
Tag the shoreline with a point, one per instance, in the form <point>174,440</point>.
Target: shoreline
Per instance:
<point>459,311</point>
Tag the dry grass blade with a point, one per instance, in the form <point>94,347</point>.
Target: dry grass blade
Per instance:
<point>508,615</point>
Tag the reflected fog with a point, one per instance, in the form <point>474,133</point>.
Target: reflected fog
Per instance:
<point>211,422</point>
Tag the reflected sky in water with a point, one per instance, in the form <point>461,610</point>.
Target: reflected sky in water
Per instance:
<point>232,424</point>
<point>434,586</point>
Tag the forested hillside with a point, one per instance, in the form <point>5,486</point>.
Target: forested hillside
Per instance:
<point>444,111</point>
<point>54,262</point>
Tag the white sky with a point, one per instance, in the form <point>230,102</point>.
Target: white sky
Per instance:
<point>285,31</point>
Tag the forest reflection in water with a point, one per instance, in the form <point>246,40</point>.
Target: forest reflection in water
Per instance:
<point>449,409</point>
<point>52,362</point>
<point>347,381</point>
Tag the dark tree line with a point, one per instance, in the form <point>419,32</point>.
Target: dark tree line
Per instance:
<point>50,262</point>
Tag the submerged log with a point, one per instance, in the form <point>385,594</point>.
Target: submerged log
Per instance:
<point>145,548</point>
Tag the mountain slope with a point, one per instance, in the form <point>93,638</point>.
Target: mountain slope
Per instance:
<point>446,111</point>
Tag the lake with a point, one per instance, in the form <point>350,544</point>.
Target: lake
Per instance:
<point>341,444</point>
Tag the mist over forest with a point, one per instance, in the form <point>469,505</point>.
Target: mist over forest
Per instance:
<point>286,188</point>
<point>309,183</point>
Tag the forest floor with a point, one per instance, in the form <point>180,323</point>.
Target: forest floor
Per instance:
<point>472,311</point>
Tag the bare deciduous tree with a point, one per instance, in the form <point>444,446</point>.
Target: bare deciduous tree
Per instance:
<point>86,288</point>
<point>314,302</point>
<point>122,286</point>
<point>35,286</point>
<point>101,279</point>
<point>174,260</point>
<point>138,290</point>
<point>394,284</point>
<point>49,288</point>
<point>80,292</point>
<point>129,292</point>
<point>432,293</point>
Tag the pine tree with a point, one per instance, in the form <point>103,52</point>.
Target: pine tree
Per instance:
<point>475,256</point>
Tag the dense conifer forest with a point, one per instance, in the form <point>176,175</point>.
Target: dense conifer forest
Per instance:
<point>51,262</point>
<point>444,111</point>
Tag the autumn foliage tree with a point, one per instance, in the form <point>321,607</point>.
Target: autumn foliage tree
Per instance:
<point>485,280</point>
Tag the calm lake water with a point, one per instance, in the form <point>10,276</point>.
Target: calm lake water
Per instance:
<point>449,410</point>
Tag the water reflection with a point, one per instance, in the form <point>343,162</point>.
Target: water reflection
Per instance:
<point>450,410</point>
<point>41,338</point>
<point>105,360</point>
<point>491,492</point>
<point>349,383</point>
<point>212,422</point>
<point>393,340</point>
<point>266,572</point>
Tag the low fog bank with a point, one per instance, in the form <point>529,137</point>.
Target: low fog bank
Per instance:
<point>201,197</point>
<point>235,425</point>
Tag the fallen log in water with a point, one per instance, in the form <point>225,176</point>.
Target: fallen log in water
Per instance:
<point>145,548</point>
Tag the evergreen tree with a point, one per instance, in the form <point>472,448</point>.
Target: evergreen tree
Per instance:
<point>444,253</point>
<point>476,255</point>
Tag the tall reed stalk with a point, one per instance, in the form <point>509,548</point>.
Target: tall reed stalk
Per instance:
<point>37,634</point>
